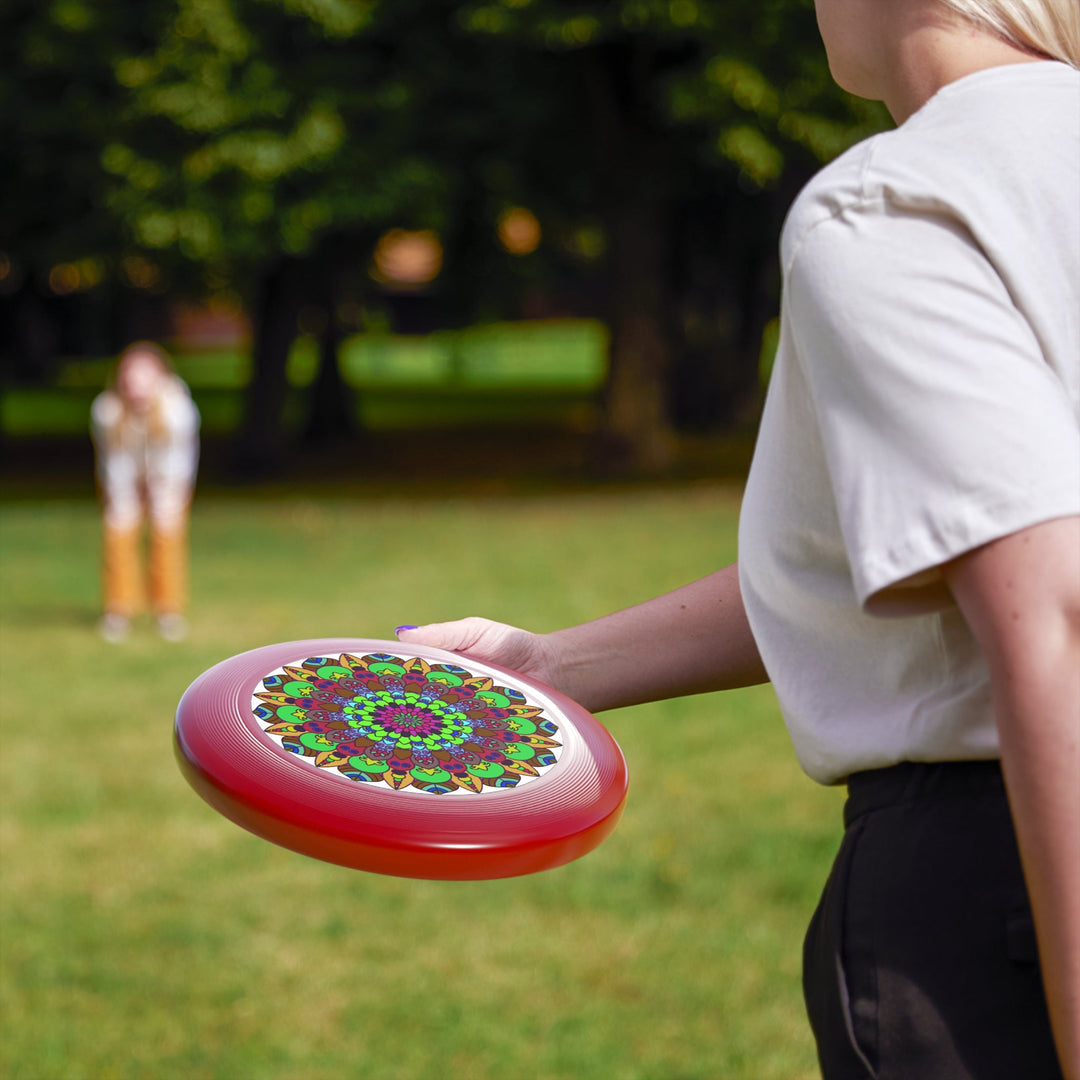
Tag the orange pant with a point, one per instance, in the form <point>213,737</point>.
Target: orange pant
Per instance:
<point>123,582</point>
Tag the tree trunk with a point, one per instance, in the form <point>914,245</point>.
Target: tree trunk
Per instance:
<point>637,422</point>
<point>35,336</point>
<point>727,293</point>
<point>634,196</point>
<point>331,418</point>
<point>261,446</point>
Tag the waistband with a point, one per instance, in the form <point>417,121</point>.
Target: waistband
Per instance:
<point>912,781</point>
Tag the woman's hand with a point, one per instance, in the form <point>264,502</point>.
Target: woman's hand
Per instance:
<point>492,642</point>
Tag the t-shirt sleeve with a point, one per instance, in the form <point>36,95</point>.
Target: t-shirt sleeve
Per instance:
<point>943,424</point>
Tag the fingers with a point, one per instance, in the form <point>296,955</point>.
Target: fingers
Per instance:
<point>437,635</point>
<point>457,636</point>
<point>481,639</point>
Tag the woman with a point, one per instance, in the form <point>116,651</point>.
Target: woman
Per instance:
<point>909,574</point>
<point>145,430</point>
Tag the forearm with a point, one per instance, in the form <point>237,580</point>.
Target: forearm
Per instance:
<point>689,641</point>
<point>1021,598</point>
<point>1039,727</point>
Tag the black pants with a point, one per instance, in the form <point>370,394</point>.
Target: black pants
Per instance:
<point>920,961</point>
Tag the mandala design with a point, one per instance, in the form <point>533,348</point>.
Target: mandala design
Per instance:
<point>407,723</point>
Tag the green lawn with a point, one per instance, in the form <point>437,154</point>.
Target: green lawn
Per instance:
<point>146,937</point>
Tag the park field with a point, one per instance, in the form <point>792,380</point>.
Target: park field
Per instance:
<point>144,936</point>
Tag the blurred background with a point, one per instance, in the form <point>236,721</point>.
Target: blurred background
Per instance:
<point>477,301</point>
<point>349,216</point>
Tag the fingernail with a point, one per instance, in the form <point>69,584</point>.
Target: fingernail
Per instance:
<point>398,629</point>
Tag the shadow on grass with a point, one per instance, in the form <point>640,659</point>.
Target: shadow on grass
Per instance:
<point>420,463</point>
<point>50,616</point>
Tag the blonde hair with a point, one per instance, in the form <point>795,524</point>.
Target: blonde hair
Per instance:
<point>1048,27</point>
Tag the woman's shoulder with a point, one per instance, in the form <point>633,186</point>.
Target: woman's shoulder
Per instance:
<point>178,409</point>
<point>831,192</point>
<point>106,410</point>
<point>998,142</point>
<point>176,389</point>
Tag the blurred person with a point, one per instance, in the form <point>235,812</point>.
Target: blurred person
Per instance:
<point>146,437</point>
<point>909,567</point>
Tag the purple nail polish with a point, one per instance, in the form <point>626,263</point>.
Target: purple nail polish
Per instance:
<point>398,629</point>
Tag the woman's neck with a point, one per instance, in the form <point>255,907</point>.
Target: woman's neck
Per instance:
<point>929,55</point>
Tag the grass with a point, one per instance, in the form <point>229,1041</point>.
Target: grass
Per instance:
<point>145,936</point>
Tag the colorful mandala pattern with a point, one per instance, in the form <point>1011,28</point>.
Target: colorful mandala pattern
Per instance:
<point>407,723</point>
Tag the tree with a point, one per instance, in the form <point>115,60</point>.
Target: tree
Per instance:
<point>262,146</point>
<point>59,108</point>
<point>687,107</point>
<point>280,139</point>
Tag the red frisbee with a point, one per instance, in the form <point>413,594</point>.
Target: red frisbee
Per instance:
<point>400,759</point>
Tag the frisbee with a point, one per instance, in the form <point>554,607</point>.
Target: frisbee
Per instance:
<point>400,759</point>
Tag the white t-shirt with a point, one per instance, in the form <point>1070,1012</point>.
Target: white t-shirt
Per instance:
<point>925,400</point>
<point>146,463</point>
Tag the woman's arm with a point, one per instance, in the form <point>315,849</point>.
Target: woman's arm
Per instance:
<point>689,641</point>
<point>1021,598</point>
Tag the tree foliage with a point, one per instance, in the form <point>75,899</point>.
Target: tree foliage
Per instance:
<point>263,145</point>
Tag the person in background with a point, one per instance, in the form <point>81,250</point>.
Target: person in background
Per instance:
<point>909,549</point>
<point>146,437</point>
